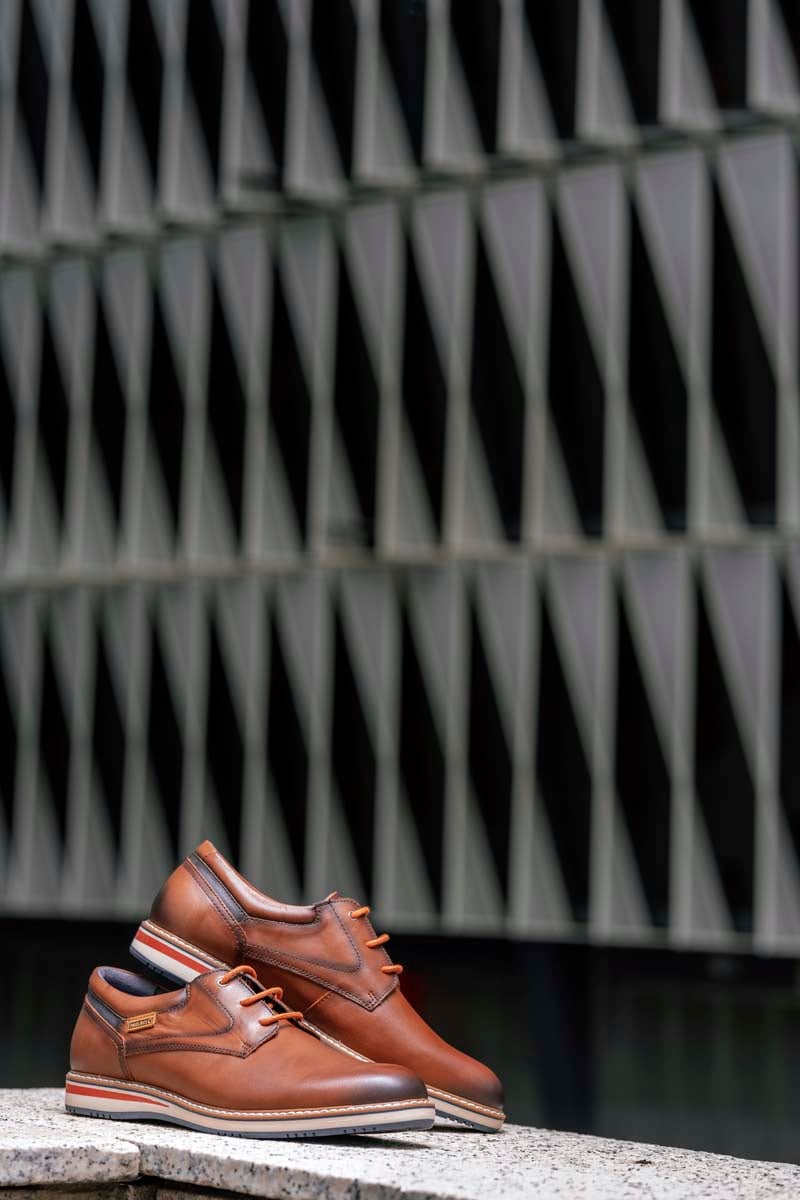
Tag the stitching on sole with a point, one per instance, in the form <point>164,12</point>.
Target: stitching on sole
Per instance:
<point>465,1103</point>
<point>445,1116</point>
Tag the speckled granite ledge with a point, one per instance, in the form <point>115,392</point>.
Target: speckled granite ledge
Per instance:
<point>40,1144</point>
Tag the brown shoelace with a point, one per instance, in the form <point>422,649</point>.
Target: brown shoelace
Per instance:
<point>273,993</point>
<point>373,943</point>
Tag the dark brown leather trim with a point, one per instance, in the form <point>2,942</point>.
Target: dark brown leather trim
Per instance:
<point>204,882</point>
<point>108,1014</point>
<point>219,889</point>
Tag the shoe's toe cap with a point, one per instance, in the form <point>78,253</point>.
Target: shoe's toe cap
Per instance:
<point>460,1075</point>
<point>484,1086</point>
<point>382,1083</point>
<point>357,1083</point>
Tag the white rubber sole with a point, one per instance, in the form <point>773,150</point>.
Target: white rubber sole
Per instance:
<point>466,1112</point>
<point>98,1096</point>
<point>180,961</point>
<point>170,956</point>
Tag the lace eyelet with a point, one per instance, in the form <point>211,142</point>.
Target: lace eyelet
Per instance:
<point>224,982</point>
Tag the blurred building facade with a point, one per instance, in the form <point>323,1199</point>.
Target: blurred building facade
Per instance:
<point>399,444</point>
<point>399,447</point>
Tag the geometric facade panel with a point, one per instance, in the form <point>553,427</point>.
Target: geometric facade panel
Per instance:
<point>399,433</point>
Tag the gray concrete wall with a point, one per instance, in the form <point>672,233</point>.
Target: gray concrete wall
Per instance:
<point>399,436</point>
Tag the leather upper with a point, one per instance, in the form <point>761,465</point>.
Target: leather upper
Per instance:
<point>205,1045</point>
<point>318,955</point>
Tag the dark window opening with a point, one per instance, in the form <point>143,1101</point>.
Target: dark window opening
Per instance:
<point>642,778</point>
<point>356,404</point>
<point>33,89</point>
<point>227,411</point>
<point>476,27</point>
<point>563,773</point>
<point>145,71</point>
<point>290,405</point>
<point>554,28</point>
<point>54,740</point>
<point>636,29</point>
<point>656,387</point>
<point>424,390</point>
<point>577,400</point>
<point>8,756</point>
<point>333,41</point>
<point>8,435</point>
<point>53,419</point>
<point>88,77</point>
<point>353,759</point>
<point>166,412</point>
<point>722,26</point>
<point>404,30</point>
<point>204,62</point>
<point>165,743</point>
<point>108,741</point>
<point>490,767</point>
<point>722,778</point>
<point>224,746</point>
<point>267,56</point>
<point>497,397</point>
<point>422,763</point>
<point>790,719</point>
<point>743,384</point>
<point>790,12</point>
<point>108,411</point>
<point>287,752</point>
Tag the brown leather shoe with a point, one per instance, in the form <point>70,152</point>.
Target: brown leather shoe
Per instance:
<point>330,965</point>
<point>224,1056</point>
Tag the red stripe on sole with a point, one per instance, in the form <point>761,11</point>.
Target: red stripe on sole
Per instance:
<point>166,948</point>
<point>91,1091</point>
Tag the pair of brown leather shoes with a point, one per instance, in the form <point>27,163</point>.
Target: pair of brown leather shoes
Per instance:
<point>288,1021</point>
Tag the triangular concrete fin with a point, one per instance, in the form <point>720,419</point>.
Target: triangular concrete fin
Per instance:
<point>759,191</point>
<point>525,125</point>
<point>675,207</point>
<point>742,593</point>
<point>628,909</point>
<point>603,106</point>
<point>710,915</point>
<point>414,903</point>
<point>773,83</point>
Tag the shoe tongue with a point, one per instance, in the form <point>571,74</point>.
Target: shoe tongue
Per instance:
<point>251,984</point>
<point>254,986</point>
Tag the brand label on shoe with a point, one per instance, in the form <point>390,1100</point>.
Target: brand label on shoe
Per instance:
<point>145,1021</point>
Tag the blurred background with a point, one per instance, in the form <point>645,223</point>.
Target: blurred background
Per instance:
<point>399,446</point>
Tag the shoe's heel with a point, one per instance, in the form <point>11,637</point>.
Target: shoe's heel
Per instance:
<point>171,956</point>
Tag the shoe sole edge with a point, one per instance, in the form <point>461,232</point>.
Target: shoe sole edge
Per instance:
<point>177,960</point>
<point>466,1116</point>
<point>110,1099</point>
